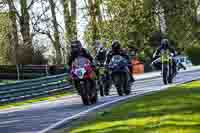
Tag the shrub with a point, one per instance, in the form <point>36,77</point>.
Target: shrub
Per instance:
<point>194,54</point>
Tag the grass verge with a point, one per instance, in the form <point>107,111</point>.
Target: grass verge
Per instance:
<point>52,97</point>
<point>5,82</point>
<point>176,110</point>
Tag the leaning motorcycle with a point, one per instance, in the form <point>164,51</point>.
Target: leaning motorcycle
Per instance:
<point>83,75</point>
<point>120,74</point>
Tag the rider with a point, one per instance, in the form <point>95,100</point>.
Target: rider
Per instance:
<point>78,50</point>
<point>100,58</point>
<point>165,45</point>
<point>117,50</point>
<point>101,52</point>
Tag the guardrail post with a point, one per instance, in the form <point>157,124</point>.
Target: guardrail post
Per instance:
<point>18,72</point>
<point>22,70</point>
<point>47,73</point>
<point>65,68</point>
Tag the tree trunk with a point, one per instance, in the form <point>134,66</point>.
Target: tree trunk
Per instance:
<point>95,15</point>
<point>73,19</point>
<point>56,42</point>
<point>161,16</point>
<point>25,24</point>
<point>65,4</point>
<point>66,18</point>
<point>24,21</point>
<point>70,16</point>
<point>13,33</point>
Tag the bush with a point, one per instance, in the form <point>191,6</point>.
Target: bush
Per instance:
<point>194,54</point>
<point>29,55</point>
<point>38,58</point>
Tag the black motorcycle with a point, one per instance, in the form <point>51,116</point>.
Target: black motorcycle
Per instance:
<point>120,74</point>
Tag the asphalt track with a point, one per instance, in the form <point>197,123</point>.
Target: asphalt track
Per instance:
<point>41,117</point>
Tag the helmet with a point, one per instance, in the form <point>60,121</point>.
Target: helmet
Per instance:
<point>164,43</point>
<point>116,46</point>
<point>76,46</point>
<point>98,44</point>
<point>76,43</point>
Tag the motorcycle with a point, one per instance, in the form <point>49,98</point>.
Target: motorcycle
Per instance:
<point>83,75</point>
<point>168,73</point>
<point>104,80</point>
<point>119,74</point>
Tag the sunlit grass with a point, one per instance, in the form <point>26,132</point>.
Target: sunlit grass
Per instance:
<point>176,110</point>
<point>5,82</point>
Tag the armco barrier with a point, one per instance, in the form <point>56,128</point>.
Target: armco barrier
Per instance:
<point>33,88</point>
<point>21,72</point>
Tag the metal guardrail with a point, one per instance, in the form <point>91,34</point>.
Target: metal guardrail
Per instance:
<point>21,72</point>
<point>33,88</point>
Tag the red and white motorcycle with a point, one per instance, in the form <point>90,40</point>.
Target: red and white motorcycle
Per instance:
<point>84,77</point>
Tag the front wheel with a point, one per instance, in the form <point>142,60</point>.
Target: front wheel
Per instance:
<point>84,93</point>
<point>107,88</point>
<point>172,74</point>
<point>93,95</point>
<point>101,87</point>
<point>165,73</point>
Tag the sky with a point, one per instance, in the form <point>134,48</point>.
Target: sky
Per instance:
<point>81,20</point>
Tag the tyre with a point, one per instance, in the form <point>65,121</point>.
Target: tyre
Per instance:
<point>107,84</point>
<point>170,79</point>
<point>118,83</point>
<point>165,74</point>
<point>84,93</point>
<point>93,95</point>
<point>107,88</point>
<point>126,85</point>
<point>94,99</point>
<point>101,88</point>
<point>171,75</point>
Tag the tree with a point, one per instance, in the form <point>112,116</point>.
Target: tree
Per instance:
<point>4,38</point>
<point>56,41</point>
<point>125,20</point>
<point>13,38</point>
<point>22,16</point>
<point>70,17</point>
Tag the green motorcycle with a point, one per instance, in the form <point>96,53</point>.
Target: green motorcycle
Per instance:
<point>104,81</point>
<point>167,67</point>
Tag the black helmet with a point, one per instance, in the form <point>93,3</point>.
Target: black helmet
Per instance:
<point>76,44</point>
<point>164,43</point>
<point>116,46</point>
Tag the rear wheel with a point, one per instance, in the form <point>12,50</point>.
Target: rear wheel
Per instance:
<point>94,99</point>
<point>118,83</point>
<point>126,86</point>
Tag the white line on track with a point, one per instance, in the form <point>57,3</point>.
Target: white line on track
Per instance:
<point>108,103</point>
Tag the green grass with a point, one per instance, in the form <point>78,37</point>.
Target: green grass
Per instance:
<point>4,82</point>
<point>53,97</point>
<point>176,110</point>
